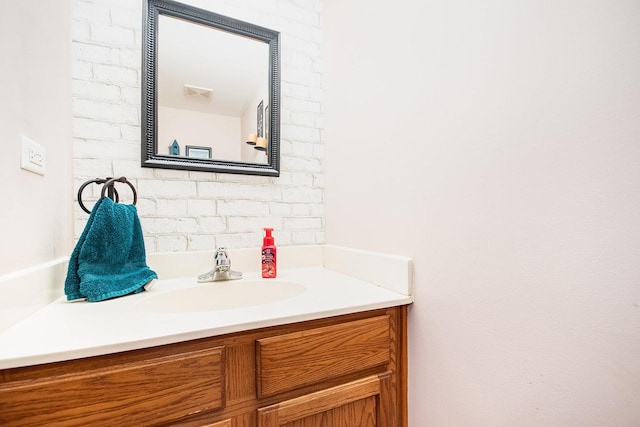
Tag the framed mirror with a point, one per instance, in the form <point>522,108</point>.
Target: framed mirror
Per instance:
<point>210,92</point>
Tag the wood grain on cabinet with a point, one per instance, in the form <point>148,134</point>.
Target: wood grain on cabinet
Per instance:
<point>289,361</point>
<point>225,423</point>
<point>352,404</point>
<point>215,381</point>
<point>137,393</point>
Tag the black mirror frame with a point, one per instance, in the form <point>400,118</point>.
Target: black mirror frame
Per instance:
<point>150,157</point>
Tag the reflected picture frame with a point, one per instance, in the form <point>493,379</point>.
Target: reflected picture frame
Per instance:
<point>266,122</point>
<point>197,152</point>
<point>260,121</point>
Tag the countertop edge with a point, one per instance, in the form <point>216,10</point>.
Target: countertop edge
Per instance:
<point>187,336</point>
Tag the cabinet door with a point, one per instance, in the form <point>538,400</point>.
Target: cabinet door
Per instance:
<point>358,404</point>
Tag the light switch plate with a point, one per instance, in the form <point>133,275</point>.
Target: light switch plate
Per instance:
<point>33,157</point>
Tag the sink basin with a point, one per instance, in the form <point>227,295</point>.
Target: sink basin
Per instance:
<point>220,296</point>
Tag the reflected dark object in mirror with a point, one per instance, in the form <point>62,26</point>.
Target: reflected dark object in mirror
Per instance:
<point>154,151</point>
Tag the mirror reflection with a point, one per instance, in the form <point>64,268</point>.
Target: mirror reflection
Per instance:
<point>210,92</point>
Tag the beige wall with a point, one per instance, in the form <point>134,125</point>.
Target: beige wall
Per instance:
<point>498,144</point>
<point>35,83</point>
<point>188,127</point>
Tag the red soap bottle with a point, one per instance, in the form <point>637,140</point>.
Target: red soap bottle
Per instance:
<point>269,269</point>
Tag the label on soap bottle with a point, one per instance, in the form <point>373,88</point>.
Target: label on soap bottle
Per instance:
<point>268,263</point>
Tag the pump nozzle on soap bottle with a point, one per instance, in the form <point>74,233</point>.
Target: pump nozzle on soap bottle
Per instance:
<point>269,269</point>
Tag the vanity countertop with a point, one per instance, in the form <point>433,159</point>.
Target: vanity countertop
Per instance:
<point>64,330</point>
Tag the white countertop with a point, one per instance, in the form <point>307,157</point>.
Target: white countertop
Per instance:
<point>68,330</point>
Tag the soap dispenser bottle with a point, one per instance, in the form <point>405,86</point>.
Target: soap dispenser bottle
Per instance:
<point>269,269</point>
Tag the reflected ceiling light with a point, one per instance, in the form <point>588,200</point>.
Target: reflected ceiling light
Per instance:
<point>202,92</point>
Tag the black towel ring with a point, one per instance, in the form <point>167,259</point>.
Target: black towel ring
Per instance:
<point>112,193</point>
<point>123,179</point>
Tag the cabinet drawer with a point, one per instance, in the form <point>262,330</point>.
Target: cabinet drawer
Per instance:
<point>139,393</point>
<point>290,361</point>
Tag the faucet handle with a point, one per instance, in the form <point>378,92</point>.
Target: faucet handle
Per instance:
<point>221,269</point>
<point>221,258</point>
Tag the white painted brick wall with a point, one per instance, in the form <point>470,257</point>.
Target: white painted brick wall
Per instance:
<point>192,211</point>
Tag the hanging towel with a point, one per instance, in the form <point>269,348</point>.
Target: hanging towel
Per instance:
<point>109,259</point>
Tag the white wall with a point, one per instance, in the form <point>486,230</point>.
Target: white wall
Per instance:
<point>36,98</point>
<point>186,211</point>
<point>498,144</point>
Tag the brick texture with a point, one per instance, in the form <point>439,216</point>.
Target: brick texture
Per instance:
<point>190,211</point>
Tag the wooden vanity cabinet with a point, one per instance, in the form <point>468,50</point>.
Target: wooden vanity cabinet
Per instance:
<point>341,371</point>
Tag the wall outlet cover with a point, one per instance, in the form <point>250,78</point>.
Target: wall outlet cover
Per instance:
<point>33,157</point>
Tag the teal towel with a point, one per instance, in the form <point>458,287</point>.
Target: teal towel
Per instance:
<point>109,259</point>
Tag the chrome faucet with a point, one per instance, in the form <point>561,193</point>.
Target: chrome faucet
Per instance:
<point>221,269</point>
